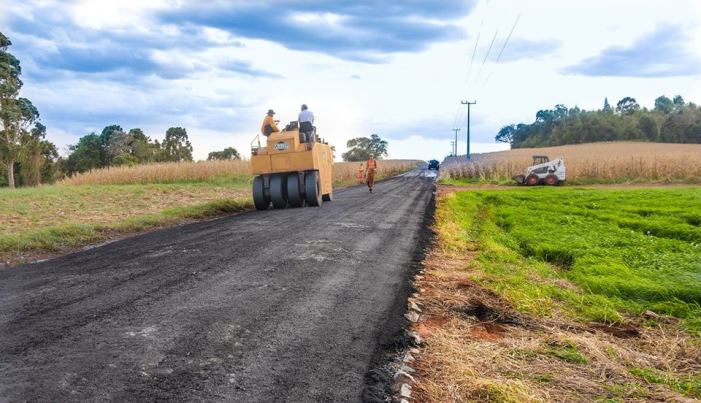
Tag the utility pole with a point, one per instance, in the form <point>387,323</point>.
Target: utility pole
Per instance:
<point>468,124</point>
<point>455,144</point>
<point>452,148</point>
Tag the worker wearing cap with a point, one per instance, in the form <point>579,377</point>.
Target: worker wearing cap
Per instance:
<point>371,170</point>
<point>269,124</point>
<point>306,123</point>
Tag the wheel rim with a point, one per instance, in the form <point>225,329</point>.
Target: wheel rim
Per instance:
<point>532,180</point>
<point>278,191</point>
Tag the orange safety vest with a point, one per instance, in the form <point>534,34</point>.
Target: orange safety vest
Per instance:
<point>371,164</point>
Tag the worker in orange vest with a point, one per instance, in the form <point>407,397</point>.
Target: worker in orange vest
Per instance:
<point>371,168</point>
<point>269,124</point>
<point>361,174</point>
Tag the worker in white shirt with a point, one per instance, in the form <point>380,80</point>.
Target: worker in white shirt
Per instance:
<point>306,124</point>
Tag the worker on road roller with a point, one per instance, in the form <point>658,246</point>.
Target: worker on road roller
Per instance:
<point>371,169</point>
<point>269,124</point>
<point>306,124</point>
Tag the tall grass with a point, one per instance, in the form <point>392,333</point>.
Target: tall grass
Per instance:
<point>203,171</point>
<point>589,163</point>
<point>168,172</point>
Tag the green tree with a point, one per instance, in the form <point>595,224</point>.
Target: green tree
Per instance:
<point>554,127</point>
<point>663,104</point>
<point>38,154</point>
<point>17,114</point>
<point>85,155</point>
<point>229,153</point>
<point>506,134</point>
<point>607,106</point>
<point>363,148</point>
<point>142,149</point>
<point>627,105</point>
<point>678,102</point>
<point>176,146</point>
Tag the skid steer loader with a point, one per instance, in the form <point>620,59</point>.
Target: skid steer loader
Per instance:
<point>292,169</point>
<point>543,171</point>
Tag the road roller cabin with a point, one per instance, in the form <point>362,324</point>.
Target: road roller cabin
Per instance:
<point>290,171</point>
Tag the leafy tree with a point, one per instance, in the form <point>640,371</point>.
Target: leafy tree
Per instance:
<point>176,146</point>
<point>663,104</point>
<point>142,149</point>
<point>363,148</point>
<point>627,105</point>
<point>648,126</point>
<point>17,114</point>
<point>554,127</point>
<point>39,154</point>
<point>85,155</point>
<point>506,134</point>
<point>678,102</point>
<point>607,106</point>
<point>229,153</point>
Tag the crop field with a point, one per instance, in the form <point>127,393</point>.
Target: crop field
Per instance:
<point>610,162</point>
<point>563,294</point>
<point>228,170</point>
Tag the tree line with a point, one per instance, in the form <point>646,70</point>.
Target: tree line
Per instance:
<point>28,159</point>
<point>670,121</point>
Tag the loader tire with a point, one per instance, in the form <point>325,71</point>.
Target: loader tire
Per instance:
<point>278,191</point>
<point>295,196</point>
<point>312,188</point>
<point>260,199</point>
<point>532,180</point>
<point>551,180</point>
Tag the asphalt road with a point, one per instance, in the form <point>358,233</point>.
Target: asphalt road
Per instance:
<point>280,305</point>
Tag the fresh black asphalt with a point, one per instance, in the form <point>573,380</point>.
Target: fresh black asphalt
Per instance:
<point>278,305</point>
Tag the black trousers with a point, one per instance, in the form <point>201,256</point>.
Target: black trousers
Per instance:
<point>306,132</point>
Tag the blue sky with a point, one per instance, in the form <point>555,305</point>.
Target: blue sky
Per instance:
<point>398,69</point>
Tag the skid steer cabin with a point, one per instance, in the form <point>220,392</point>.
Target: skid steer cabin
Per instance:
<point>290,171</point>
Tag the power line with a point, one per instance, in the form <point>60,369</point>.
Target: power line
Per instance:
<point>508,38</point>
<point>489,50</point>
<point>472,60</point>
<point>506,42</point>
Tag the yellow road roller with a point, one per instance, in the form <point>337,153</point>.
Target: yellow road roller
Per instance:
<point>293,169</point>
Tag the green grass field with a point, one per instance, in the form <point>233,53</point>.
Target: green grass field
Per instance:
<point>603,255</point>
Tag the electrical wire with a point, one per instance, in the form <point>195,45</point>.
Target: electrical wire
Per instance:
<point>486,56</point>
<point>506,42</point>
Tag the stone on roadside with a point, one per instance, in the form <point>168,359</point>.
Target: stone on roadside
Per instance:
<point>405,391</point>
<point>412,316</point>
<point>403,377</point>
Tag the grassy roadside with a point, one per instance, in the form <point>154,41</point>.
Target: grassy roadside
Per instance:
<point>563,294</point>
<point>52,219</point>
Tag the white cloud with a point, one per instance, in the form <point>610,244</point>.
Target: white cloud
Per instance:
<point>411,99</point>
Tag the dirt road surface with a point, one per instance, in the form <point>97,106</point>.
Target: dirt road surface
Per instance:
<point>279,305</point>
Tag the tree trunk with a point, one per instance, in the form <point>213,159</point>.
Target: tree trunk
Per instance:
<point>11,174</point>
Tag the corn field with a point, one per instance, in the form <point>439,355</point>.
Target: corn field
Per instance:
<point>587,163</point>
<point>202,171</point>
